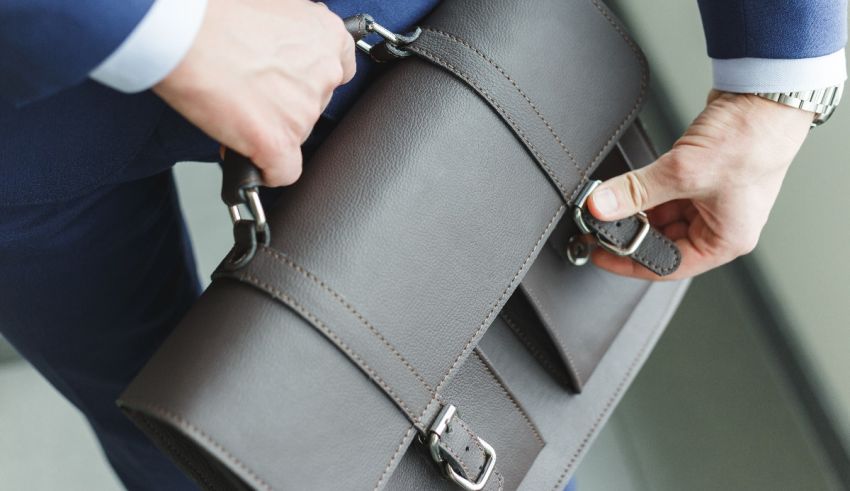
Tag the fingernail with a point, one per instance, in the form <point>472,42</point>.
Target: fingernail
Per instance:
<point>605,201</point>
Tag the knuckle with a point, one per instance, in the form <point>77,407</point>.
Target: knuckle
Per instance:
<point>637,189</point>
<point>300,120</point>
<point>678,170</point>
<point>684,176</point>
<point>335,73</point>
<point>262,142</point>
<point>290,170</point>
<point>267,143</point>
<point>348,45</point>
<point>283,168</point>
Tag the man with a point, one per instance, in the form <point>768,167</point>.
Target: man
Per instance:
<point>95,266</point>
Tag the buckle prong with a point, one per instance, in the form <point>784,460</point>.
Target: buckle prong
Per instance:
<point>441,426</point>
<point>578,253</point>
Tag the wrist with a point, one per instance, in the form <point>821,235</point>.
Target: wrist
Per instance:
<point>776,113</point>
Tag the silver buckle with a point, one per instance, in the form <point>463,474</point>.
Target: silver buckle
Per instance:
<point>396,40</point>
<point>578,253</point>
<point>443,425</point>
<point>255,206</point>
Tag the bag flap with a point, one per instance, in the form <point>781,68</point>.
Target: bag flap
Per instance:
<point>411,227</point>
<point>416,237</point>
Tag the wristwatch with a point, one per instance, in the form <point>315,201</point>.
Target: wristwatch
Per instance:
<point>822,102</point>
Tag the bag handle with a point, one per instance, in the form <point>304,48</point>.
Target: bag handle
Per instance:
<point>240,191</point>
<point>241,179</point>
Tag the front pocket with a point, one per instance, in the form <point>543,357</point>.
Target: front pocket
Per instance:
<point>568,316</point>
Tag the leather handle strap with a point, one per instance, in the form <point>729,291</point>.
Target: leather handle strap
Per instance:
<point>238,176</point>
<point>656,252</point>
<point>240,184</point>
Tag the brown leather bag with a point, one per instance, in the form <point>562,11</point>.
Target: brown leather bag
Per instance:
<point>411,317</point>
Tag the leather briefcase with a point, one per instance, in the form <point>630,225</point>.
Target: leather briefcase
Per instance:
<point>411,314</point>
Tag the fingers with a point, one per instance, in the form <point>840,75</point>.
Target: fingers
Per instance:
<point>349,61</point>
<point>280,169</point>
<point>700,250</point>
<point>694,261</point>
<point>638,190</point>
<point>276,154</point>
<point>670,212</point>
<point>347,46</point>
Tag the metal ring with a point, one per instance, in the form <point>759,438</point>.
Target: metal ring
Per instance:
<point>443,424</point>
<point>636,242</point>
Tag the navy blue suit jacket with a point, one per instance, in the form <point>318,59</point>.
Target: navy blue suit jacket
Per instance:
<point>62,135</point>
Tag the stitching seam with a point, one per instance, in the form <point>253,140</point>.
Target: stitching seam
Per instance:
<point>532,347</point>
<point>510,396</point>
<point>516,86</point>
<point>605,410</point>
<point>181,422</point>
<point>642,93</point>
<point>604,229</point>
<point>459,460</point>
<point>493,308</point>
<point>470,433</point>
<point>554,332</point>
<point>167,442</point>
<point>339,298</point>
<point>440,61</point>
<point>393,458</point>
<point>274,292</point>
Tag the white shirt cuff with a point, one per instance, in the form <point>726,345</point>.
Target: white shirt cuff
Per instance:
<point>780,75</point>
<point>154,48</point>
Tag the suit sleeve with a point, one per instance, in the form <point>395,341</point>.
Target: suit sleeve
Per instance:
<point>775,45</point>
<point>49,45</point>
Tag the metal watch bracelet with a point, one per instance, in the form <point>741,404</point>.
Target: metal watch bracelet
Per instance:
<point>822,102</point>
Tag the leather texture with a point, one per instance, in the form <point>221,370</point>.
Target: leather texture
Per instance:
<point>500,89</point>
<point>376,303</point>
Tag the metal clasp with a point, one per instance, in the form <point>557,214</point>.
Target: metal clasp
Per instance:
<point>397,41</point>
<point>248,233</point>
<point>255,206</point>
<point>443,425</point>
<point>578,251</point>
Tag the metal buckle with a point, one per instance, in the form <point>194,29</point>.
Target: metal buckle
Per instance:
<point>443,425</point>
<point>578,253</point>
<point>255,206</point>
<point>398,41</point>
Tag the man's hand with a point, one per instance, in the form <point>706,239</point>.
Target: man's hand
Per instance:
<point>712,193</point>
<point>258,77</point>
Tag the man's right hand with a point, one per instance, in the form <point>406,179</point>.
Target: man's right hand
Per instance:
<point>259,75</point>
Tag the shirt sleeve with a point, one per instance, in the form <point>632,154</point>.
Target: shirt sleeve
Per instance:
<point>775,45</point>
<point>47,46</point>
<point>154,48</point>
<point>778,74</point>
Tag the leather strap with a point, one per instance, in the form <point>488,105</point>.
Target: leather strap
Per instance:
<point>466,454</point>
<point>238,175</point>
<point>340,322</point>
<point>331,314</point>
<point>657,253</point>
<point>518,111</point>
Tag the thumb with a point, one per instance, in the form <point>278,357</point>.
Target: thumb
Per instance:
<point>638,190</point>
